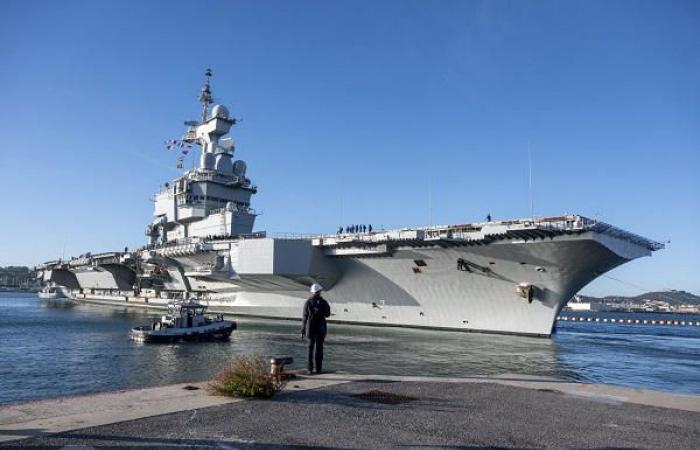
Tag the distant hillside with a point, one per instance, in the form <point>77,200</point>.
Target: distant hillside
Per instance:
<point>674,298</point>
<point>15,276</point>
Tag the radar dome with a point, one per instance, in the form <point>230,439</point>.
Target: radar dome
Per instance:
<point>219,111</point>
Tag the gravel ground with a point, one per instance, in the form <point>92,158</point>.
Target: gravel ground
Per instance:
<point>406,415</point>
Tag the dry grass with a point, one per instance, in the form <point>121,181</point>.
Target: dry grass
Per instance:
<point>245,376</point>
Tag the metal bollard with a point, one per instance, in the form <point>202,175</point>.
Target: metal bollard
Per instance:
<point>277,367</point>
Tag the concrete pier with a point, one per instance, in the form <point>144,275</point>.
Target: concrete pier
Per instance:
<point>364,412</point>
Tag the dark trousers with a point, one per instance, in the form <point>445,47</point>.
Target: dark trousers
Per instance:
<point>315,352</point>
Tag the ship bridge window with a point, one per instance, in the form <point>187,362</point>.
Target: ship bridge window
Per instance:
<point>420,262</point>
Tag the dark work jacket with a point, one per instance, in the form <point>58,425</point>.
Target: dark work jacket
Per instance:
<point>313,324</point>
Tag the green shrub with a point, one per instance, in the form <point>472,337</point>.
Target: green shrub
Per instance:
<point>245,376</point>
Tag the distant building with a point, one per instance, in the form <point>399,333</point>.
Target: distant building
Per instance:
<point>579,306</point>
<point>576,304</point>
<point>687,309</point>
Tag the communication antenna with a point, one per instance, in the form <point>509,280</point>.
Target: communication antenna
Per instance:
<point>205,95</point>
<point>430,202</point>
<point>529,166</point>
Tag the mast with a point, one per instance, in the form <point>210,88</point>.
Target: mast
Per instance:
<point>205,95</point>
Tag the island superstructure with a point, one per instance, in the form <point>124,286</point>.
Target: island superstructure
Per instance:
<point>509,276</point>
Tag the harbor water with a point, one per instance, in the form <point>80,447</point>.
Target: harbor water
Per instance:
<point>55,348</point>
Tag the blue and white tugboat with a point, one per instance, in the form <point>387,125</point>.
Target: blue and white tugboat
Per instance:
<point>51,292</point>
<point>185,321</point>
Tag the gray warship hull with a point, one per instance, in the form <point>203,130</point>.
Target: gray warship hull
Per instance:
<point>437,277</point>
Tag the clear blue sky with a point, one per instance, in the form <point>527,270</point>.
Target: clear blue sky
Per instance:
<point>372,104</point>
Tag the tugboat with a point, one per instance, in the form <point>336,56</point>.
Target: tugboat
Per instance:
<point>51,292</point>
<point>185,321</point>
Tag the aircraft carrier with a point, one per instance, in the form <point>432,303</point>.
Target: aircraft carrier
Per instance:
<point>509,276</point>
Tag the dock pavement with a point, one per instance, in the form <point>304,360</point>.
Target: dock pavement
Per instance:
<point>345,411</point>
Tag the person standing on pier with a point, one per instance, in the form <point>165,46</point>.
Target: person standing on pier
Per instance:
<point>313,327</point>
